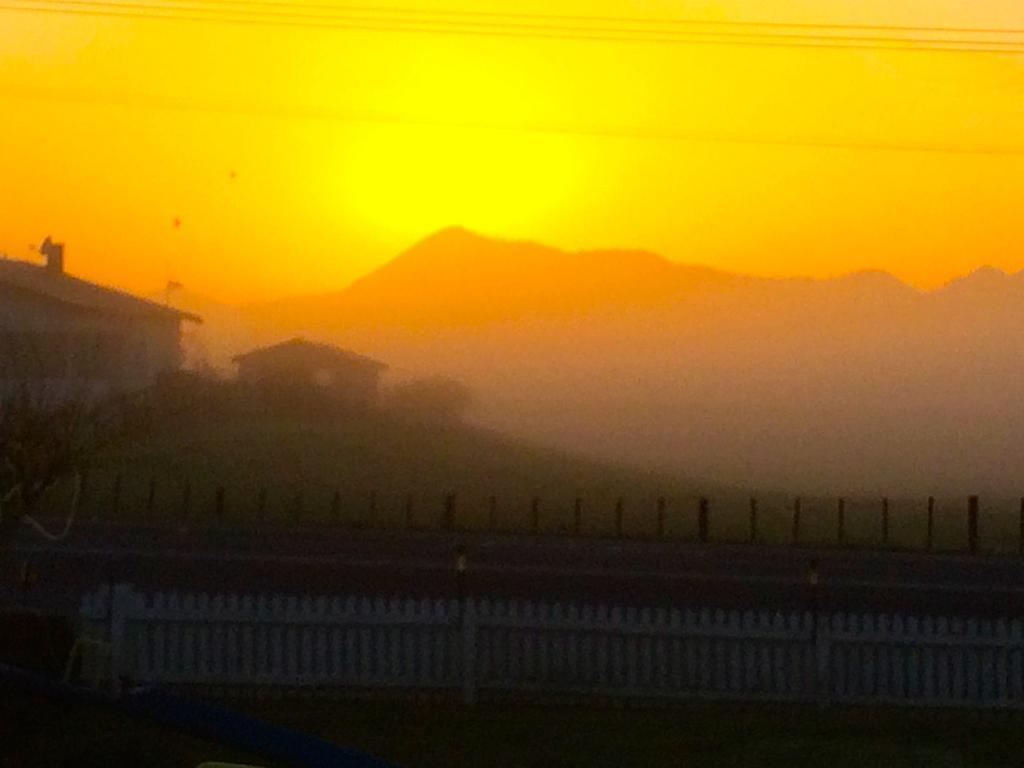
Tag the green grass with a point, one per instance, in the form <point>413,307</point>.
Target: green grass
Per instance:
<point>428,735</point>
<point>443,735</point>
<point>377,463</point>
<point>374,462</point>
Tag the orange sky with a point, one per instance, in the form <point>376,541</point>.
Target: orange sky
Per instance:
<point>297,159</point>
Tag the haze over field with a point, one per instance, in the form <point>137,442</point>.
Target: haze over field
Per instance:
<point>854,384</point>
<point>762,153</point>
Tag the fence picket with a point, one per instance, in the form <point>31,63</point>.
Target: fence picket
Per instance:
<point>512,645</point>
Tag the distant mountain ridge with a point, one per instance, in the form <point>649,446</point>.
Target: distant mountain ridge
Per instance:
<point>858,383</point>
<point>456,276</point>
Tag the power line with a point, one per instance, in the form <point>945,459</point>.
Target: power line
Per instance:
<point>210,13</point>
<point>557,129</point>
<point>391,11</point>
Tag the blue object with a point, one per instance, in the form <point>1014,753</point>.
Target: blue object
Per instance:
<point>224,726</point>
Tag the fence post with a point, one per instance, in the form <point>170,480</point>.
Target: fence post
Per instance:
<point>1020,534</point>
<point>753,520</point>
<point>577,516</point>
<point>703,523</point>
<point>619,504</point>
<point>885,520</point>
<point>469,691</point>
<point>661,517</point>
<point>823,660</point>
<point>449,512</point>
<point>796,520</point>
<point>121,601</point>
<point>186,499</point>
<point>972,524</point>
<point>535,515</point>
<point>931,523</point>
<point>116,502</point>
<point>841,521</point>
<point>83,490</point>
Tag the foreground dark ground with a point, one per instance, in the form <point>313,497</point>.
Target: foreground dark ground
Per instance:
<point>515,735</point>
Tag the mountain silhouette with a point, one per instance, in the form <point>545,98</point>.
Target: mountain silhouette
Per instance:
<point>458,277</point>
<point>854,384</point>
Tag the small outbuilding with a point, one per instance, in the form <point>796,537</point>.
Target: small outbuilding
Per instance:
<point>300,368</point>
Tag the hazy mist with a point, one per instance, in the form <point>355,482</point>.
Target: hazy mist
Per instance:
<point>859,384</point>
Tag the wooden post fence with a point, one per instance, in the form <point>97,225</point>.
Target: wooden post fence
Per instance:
<point>753,520</point>
<point>703,520</point>
<point>930,541</point>
<point>885,521</point>
<point>796,521</point>
<point>1020,532</point>
<point>841,521</point>
<point>449,512</point>
<point>116,501</point>
<point>83,491</point>
<point>186,500</point>
<point>972,524</point>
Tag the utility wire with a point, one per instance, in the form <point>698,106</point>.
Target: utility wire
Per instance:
<point>209,13</point>
<point>557,129</point>
<point>392,11</point>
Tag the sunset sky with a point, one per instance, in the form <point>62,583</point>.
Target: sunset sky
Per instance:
<point>296,158</point>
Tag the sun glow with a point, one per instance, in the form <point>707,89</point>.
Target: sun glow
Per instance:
<point>407,180</point>
<point>348,145</point>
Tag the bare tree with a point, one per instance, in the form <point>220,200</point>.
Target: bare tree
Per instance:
<point>44,441</point>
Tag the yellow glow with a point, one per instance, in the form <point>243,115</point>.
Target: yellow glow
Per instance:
<point>407,182</point>
<point>343,147</point>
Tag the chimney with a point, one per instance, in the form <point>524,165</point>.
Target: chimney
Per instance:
<point>54,253</point>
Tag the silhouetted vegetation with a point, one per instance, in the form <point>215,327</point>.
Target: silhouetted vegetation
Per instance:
<point>438,399</point>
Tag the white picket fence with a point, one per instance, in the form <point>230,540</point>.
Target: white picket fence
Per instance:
<point>481,647</point>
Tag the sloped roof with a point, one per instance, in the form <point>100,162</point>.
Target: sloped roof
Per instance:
<point>302,350</point>
<point>62,287</point>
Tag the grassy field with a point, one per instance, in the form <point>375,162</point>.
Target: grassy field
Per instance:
<point>373,462</point>
<point>440,735</point>
<point>374,469</point>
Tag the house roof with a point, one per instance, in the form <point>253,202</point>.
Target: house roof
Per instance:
<point>62,287</point>
<point>299,350</point>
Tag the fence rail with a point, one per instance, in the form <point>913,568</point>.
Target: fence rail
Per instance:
<point>967,524</point>
<point>480,647</point>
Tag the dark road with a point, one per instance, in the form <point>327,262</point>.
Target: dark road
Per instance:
<point>333,561</point>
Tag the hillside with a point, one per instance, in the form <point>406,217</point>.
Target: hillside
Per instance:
<point>369,459</point>
<point>856,384</point>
